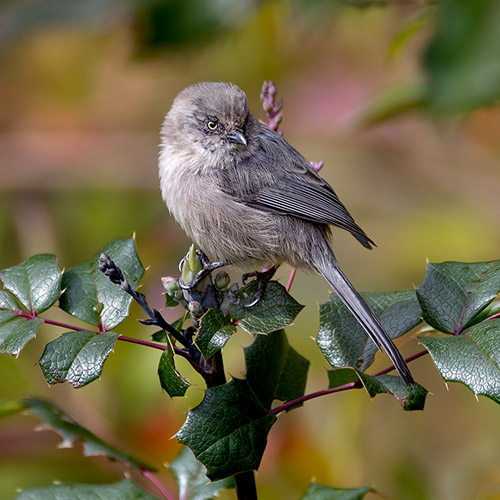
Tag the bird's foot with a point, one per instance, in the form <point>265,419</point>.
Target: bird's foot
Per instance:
<point>208,267</point>
<point>262,279</point>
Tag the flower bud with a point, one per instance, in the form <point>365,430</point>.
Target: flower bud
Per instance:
<point>222,280</point>
<point>171,285</point>
<point>195,308</point>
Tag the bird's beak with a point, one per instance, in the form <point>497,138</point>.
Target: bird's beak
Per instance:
<point>237,137</point>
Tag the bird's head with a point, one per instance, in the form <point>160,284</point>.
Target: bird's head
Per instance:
<point>210,118</point>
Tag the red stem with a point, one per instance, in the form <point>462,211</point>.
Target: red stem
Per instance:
<point>150,476</point>
<point>52,322</point>
<point>147,343</point>
<point>497,315</point>
<point>307,397</point>
<point>290,279</point>
<point>345,387</point>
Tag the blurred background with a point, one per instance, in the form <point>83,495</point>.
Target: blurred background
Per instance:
<point>397,98</point>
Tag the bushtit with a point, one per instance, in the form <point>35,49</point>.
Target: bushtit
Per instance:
<point>247,197</point>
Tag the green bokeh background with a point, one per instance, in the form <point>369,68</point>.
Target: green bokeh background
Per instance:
<point>84,87</point>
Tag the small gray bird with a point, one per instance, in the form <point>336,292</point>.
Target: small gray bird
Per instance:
<point>245,196</point>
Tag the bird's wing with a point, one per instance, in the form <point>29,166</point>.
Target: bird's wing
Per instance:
<point>277,178</point>
<point>309,198</point>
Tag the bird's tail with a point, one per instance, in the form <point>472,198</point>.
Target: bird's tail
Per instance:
<point>364,314</point>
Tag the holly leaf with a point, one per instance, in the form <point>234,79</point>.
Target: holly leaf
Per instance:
<point>344,342</point>
<point>274,369</point>
<point>8,302</point>
<point>16,333</point>
<point>36,283</point>
<point>228,430</point>
<point>90,296</point>
<point>76,357</point>
<point>215,330</point>
<point>170,379</point>
<point>454,293</point>
<point>320,492</point>
<point>191,478</point>
<point>411,397</point>
<point>472,358</point>
<point>276,309</point>
<point>123,490</point>
<point>58,420</point>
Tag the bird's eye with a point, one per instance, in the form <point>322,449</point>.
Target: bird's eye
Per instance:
<point>212,124</point>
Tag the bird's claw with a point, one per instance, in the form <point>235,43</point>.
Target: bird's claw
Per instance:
<point>262,279</point>
<point>247,276</point>
<point>208,267</point>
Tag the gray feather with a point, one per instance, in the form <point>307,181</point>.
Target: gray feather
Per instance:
<point>327,266</point>
<point>293,188</point>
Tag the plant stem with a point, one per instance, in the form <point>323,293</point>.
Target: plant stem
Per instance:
<point>150,476</point>
<point>245,485</point>
<point>52,322</point>
<point>246,488</point>
<point>313,395</point>
<point>290,279</point>
<point>147,343</point>
<point>411,358</point>
<point>345,387</point>
<point>497,315</point>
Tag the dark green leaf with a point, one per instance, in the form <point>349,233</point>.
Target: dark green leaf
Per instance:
<point>472,358</point>
<point>274,369</point>
<point>76,357</point>
<point>214,332</point>
<point>90,296</point>
<point>411,397</point>
<point>292,382</point>
<point>170,379</point>
<point>7,302</point>
<point>55,418</point>
<point>453,293</point>
<point>170,301</point>
<point>228,430</point>
<point>6,316</point>
<point>177,324</point>
<point>36,283</point>
<point>320,492</point>
<point>160,336</point>
<point>8,306</point>
<point>342,339</point>
<point>462,59</point>
<point>124,490</point>
<point>191,478</point>
<point>15,334</point>
<point>277,309</point>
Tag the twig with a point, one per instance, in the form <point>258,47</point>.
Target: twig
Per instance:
<point>411,358</point>
<point>497,315</point>
<point>52,322</point>
<point>313,395</point>
<point>350,385</point>
<point>147,343</point>
<point>293,272</point>
<point>150,476</point>
<point>114,273</point>
<point>246,488</point>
